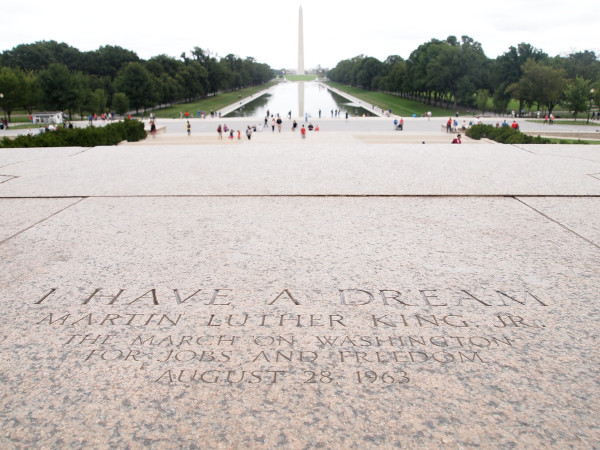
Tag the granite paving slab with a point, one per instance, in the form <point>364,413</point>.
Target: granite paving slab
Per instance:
<point>301,322</point>
<point>580,215</point>
<point>11,156</point>
<point>305,168</point>
<point>19,215</point>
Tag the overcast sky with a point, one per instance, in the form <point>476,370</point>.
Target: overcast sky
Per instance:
<point>333,30</point>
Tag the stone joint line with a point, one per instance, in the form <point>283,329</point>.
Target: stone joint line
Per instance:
<point>8,178</point>
<point>559,224</point>
<point>41,221</point>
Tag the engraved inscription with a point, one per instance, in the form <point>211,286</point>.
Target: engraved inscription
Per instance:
<point>368,337</point>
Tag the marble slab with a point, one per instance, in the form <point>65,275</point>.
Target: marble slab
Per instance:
<point>300,322</point>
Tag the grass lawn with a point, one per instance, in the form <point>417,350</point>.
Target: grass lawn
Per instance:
<point>301,77</point>
<point>210,103</point>
<point>569,122</point>
<point>19,117</point>
<point>22,127</point>
<point>573,141</point>
<point>399,106</point>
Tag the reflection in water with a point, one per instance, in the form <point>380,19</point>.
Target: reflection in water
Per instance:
<point>299,98</point>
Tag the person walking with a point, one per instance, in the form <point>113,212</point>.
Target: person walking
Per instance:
<point>220,132</point>
<point>303,132</point>
<point>279,123</point>
<point>249,132</point>
<point>188,128</point>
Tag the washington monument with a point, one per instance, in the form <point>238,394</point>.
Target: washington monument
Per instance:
<point>300,44</point>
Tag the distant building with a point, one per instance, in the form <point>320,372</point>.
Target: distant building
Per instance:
<point>54,117</point>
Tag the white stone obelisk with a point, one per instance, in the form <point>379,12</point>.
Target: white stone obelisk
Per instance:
<point>300,44</point>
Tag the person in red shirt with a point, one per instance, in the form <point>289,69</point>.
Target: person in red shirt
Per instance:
<point>303,132</point>
<point>515,125</point>
<point>457,140</point>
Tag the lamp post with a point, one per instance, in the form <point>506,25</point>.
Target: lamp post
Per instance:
<point>591,103</point>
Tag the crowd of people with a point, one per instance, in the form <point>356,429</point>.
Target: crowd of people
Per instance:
<point>260,127</point>
<point>452,125</point>
<point>272,121</point>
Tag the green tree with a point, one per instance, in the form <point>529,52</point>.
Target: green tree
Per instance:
<point>135,81</point>
<point>396,74</point>
<point>367,70</point>
<point>217,77</point>
<point>583,64</point>
<point>108,60</point>
<point>457,69</point>
<point>97,101</point>
<point>577,95</point>
<point>193,79</point>
<point>32,92</point>
<point>40,55</point>
<point>483,97</point>
<point>161,64</point>
<point>595,96</point>
<point>61,89</point>
<point>168,89</point>
<point>524,90</point>
<point>120,103</point>
<point>422,78</point>
<point>11,87</point>
<point>395,71</point>
<point>500,100</point>
<point>546,84</point>
<point>507,70</point>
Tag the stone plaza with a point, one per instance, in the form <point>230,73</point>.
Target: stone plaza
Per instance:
<point>360,288</point>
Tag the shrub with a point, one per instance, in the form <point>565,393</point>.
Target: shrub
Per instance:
<point>111,134</point>
<point>479,131</point>
<point>504,135</point>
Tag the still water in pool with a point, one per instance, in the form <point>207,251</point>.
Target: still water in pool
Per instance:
<point>299,97</point>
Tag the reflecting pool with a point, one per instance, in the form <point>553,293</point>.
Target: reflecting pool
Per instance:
<point>299,97</point>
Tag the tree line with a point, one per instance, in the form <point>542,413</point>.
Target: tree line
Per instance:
<point>56,76</point>
<point>456,72</point>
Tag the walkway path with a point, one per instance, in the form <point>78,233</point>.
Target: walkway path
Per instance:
<point>373,109</point>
